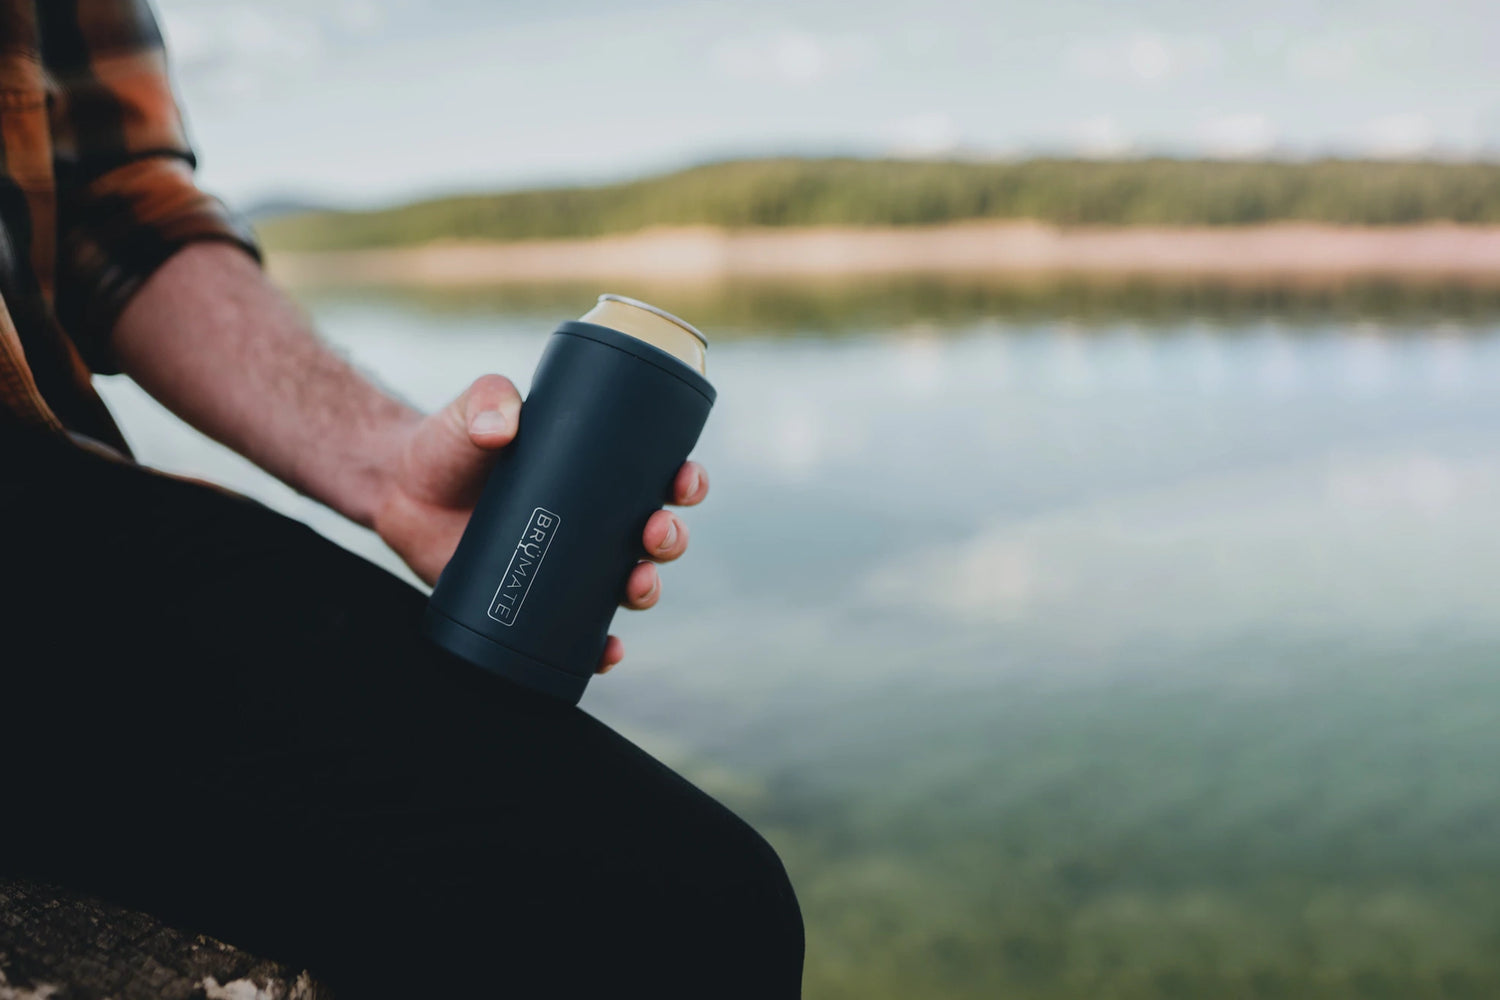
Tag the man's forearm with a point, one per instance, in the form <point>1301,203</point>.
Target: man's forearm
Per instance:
<point>215,342</point>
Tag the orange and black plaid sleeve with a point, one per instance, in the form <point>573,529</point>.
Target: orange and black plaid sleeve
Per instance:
<point>126,197</point>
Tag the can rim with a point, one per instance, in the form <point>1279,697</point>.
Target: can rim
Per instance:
<point>627,300</point>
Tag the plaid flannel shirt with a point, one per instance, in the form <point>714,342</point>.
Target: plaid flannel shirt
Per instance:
<point>96,192</point>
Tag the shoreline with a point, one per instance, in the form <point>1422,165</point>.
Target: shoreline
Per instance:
<point>1295,253</point>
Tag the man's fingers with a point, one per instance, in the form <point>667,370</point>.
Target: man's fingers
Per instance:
<point>614,652</point>
<point>665,537</point>
<point>690,486</point>
<point>491,410</point>
<point>643,589</point>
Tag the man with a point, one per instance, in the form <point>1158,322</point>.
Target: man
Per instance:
<point>210,713</point>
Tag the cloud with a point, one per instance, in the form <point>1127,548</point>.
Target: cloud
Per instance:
<point>794,439</point>
<point>931,134</point>
<point>1398,136</point>
<point>995,577</point>
<point>361,16</point>
<point>1238,136</point>
<point>1323,59</point>
<point>793,58</point>
<point>1100,137</point>
<point>1286,548</point>
<point>238,49</point>
<point>1144,56</point>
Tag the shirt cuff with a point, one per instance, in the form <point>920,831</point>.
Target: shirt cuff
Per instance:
<point>117,231</point>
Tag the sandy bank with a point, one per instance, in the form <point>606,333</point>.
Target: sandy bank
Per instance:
<point>1293,251</point>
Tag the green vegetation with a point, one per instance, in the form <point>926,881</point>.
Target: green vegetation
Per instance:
<point>801,192</point>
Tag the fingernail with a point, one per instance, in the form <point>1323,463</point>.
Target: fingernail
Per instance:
<point>488,422</point>
<point>666,543</point>
<point>697,482</point>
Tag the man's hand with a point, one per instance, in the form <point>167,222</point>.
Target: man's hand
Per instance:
<point>209,337</point>
<point>439,469</point>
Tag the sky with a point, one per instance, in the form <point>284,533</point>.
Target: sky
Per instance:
<point>369,102</point>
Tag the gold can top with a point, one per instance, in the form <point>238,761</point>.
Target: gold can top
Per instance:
<point>654,326</point>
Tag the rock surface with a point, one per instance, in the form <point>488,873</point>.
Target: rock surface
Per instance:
<point>58,945</point>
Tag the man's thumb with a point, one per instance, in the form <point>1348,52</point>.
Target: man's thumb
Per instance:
<point>454,447</point>
<point>489,410</point>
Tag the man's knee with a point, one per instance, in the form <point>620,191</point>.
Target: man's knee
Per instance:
<point>686,901</point>
<point>737,907</point>
<point>763,896</point>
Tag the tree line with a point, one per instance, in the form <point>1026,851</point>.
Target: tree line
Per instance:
<point>854,192</point>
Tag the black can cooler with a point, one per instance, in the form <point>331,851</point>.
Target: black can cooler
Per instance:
<point>616,405</point>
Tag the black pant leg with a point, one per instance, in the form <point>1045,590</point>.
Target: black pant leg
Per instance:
<point>226,720</point>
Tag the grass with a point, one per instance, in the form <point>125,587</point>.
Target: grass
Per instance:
<point>851,192</point>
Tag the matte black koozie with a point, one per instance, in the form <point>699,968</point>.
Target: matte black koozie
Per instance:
<point>544,560</point>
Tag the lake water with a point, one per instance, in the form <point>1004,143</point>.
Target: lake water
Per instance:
<point>1065,649</point>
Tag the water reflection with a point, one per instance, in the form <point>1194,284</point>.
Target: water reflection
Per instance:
<point>823,307</point>
<point>1139,647</point>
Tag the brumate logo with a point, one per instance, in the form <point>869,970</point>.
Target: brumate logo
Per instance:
<point>524,563</point>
